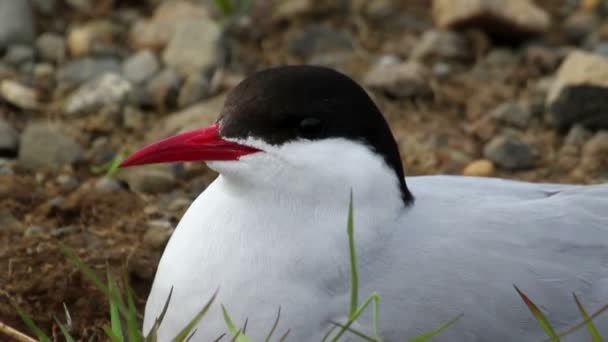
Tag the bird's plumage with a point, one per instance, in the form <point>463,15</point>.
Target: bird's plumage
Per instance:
<point>270,232</point>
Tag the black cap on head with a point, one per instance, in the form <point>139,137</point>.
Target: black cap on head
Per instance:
<point>286,103</point>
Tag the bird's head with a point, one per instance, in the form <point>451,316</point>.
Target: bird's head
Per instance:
<point>305,125</point>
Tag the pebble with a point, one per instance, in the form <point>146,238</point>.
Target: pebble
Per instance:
<point>16,23</point>
<point>321,45</point>
<point>442,45</point>
<point>577,135</point>
<point>156,32</point>
<point>19,54</point>
<point>194,47</point>
<point>9,140</point>
<point>512,113</point>
<point>45,146</point>
<point>513,18</point>
<point>601,49</point>
<point>67,182</point>
<point>141,66</point>
<point>51,47</point>
<point>479,168</point>
<point>400,80</point>
<point>19,95</point>
<point>84,69</point>
<point>85,39</point>
<point>195,88</point>
<point>33,230</point>
<point>149,180</point>
<point>580,25</point>
<point>132,118</point>
<point>157,235</point>
<point>106,93</point>
<point>594,157</point>
<point>162,90</point>
<point>578,95</point>
<point>509,153</point>
<point>108,184</point>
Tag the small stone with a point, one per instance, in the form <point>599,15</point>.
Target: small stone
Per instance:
<point>320,45</point>
<point>106,93</point>
<point>162,89</point>
<point>62,231</point>
<point>194,47</point>
<point>46,146</point>
<point>16,23</point>
<point>157,235</point>
<point>85,69</point>
<point>141,66</point>
<point>149,180</point>
<point>9,140</point>
<point>509,153</point>
<point>132,118</point>
<point>579,25</point>
<point>67,183</point>
<point>195,88</point>
<point>156,32</point>
<point>84,6</point>
<point>579,93</point>
<point>601,49</point>
<point>19,54</point>
<point>513,18</point>
<point>479,168</point>
<point>108,184</point>
<point>400,80</point>
<point>443,45</point>
<point>33,230</point>
<point>45,7</point>
<point>577,136</point>
<point>83,40</point>
<point>43,71</point>
<point>51,47</point>
<point>545,58</point>
<point>512,113</point>
<point>19,95</point>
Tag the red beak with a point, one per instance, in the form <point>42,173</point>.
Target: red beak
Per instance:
<point>204,144</point>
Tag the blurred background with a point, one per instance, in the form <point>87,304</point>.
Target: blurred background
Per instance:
<point>515,89</point>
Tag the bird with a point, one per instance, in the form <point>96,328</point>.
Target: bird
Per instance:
<point>290,146</point>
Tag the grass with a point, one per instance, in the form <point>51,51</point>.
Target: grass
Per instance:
<point>125,325</point>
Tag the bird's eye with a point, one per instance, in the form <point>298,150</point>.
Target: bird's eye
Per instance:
<point>310,128</point>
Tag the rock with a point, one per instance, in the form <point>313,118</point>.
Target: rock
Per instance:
<point>513,18</point>
<point>322,45</point>
<point>19,95</point>
<point>162,90</point>
<point>155,33</point>
<point>197,116</point>
<point>509,153</point>
<point>577,136</point>
<point>158,234</point>
<point>85,69</point>
<point>580,25</point>
<point>9,140</point>
<point>545,58</point>
<point>132,118</point>
<point>594,157</point>
<point>149,180</point>
<point>67,183</point>
<point>442,45</point>
<point>512,113</point>
<point>106,93</point>
<point>292,8</point>
<point>51,47</point>
<point>33,230</point>
<point>45,7</point>
<point>479,168</point>
<point>484,127</point>
<point>108,184</point>
<point>6,169</point>
<point>400,80</point>
<point>18,54</point>
<point>601,49</point>
<point>94,35</point>
<point>45,146</point>
<point>43,72</point>
<point>194,47</point>
<point>141,66</point>
<point>195,88</point>
<point>578,95</point>
<point>16,23</point>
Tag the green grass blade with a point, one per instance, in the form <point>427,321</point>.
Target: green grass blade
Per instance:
<point>356,332</point>
<point>372,298</point>
<point>225,6</point>
<point>431,334</point>
<point>237,334</point>
<point>274,326</point>
<point>64,331</point>
<point>595,335</point>
<point>540,317</point>
<point>111,334</point>
<point>42,337</point>
<point>584,322</point>
<point>152,335</point>
<point>115,324</point>
<point>132,322</point>
<point>354,292</point>
<point>284,336</point>
<point>183,335</point>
